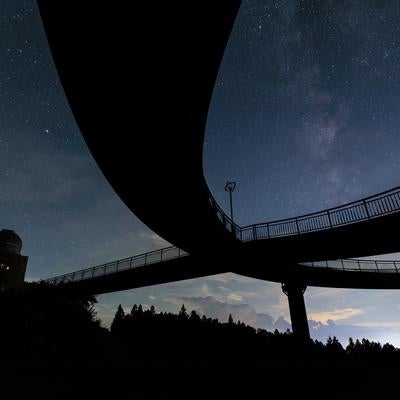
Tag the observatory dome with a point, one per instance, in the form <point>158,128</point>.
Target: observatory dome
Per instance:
<point>10,242</point>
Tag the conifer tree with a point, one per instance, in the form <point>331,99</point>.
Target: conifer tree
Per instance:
<point>118,320</point>
<point>182,312</point>
<point>134,309</point>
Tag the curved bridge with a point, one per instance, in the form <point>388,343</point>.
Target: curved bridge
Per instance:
<point>141,100</point>
<point>360,228</point>
<point>139,78</point>
<point>365,209</point>
<point>172,264</point>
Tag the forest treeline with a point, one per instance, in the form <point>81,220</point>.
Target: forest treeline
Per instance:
<point>47,323</point>
<point>148,334</point>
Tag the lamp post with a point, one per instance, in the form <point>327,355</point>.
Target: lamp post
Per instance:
<point>230,187</point>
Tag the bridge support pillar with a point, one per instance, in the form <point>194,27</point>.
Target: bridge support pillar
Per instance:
<point>297,307</point>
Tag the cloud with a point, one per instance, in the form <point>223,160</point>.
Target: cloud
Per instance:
<point>234,296</point>
<point>395,325</point>
<point>327,292</point>
<point>382,333</point>
<point>335,315</point>
<point>211,307</point>
<point>232,278</point>
<point>282,325</point>
<point>204,289</point>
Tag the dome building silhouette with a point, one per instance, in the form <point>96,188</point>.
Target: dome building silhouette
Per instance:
<point>12,263</point>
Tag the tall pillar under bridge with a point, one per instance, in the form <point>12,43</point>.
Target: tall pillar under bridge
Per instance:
<point>298,315</point>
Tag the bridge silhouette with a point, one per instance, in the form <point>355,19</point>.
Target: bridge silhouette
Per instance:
<point>172,253</point>
<point>150,152</point>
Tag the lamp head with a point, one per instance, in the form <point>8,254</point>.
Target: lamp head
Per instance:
<point>230,186</point>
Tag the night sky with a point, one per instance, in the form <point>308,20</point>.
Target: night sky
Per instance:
<point>305,115</point>
<point>306,107</point>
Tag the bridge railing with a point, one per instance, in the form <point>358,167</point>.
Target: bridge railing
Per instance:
<point>357,265</point>
<point>165,254</point>
<point>367,208</point>
<point>226,221</point>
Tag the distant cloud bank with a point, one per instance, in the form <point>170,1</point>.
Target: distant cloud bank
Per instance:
<point>320,328</point>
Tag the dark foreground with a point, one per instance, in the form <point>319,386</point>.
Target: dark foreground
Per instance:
<point>53,344</point>
<point>203,380</point>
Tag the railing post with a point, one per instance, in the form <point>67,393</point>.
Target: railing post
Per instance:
<point>161,254</point>
<point>130,262</point>
<point>145,259</point>
<point>93,269</point>
<point>179,252</point>
<point>329,219</point>
<point>297,226</point>
<point>105,267</point>
<point>366,209</point>
<point>268,234</point>
<point>342,263</point>
<point>116,268</point>
<point>254,232</point>
<point>376,266</point>
<point>359,266</point>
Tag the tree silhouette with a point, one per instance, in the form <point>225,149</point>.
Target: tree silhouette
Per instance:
<point>194,317</point>
<point>182,312</point>
<point>134,309</point>
<point>118,321</point>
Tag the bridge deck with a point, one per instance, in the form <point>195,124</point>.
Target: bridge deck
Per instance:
<point>171,264</point>
<point>150,148</point>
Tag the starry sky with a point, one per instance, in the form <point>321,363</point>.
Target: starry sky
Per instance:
<point>304,116</point>
<point>306,106</point>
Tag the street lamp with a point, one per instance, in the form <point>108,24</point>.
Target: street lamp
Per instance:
<point>230,187</point>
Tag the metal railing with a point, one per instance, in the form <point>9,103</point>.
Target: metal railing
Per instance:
<point>384,203</point>
<point>371,207</point>
<point>357,265</point>
<point>165,254</point>
<point>224,219</point>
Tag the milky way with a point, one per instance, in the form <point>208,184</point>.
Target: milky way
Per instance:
<point>306,108</point>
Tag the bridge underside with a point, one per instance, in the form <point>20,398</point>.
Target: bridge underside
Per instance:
<point>367,238</point>
<point>190,267</point>
<point>139,78</point>
<point>149,275</point>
